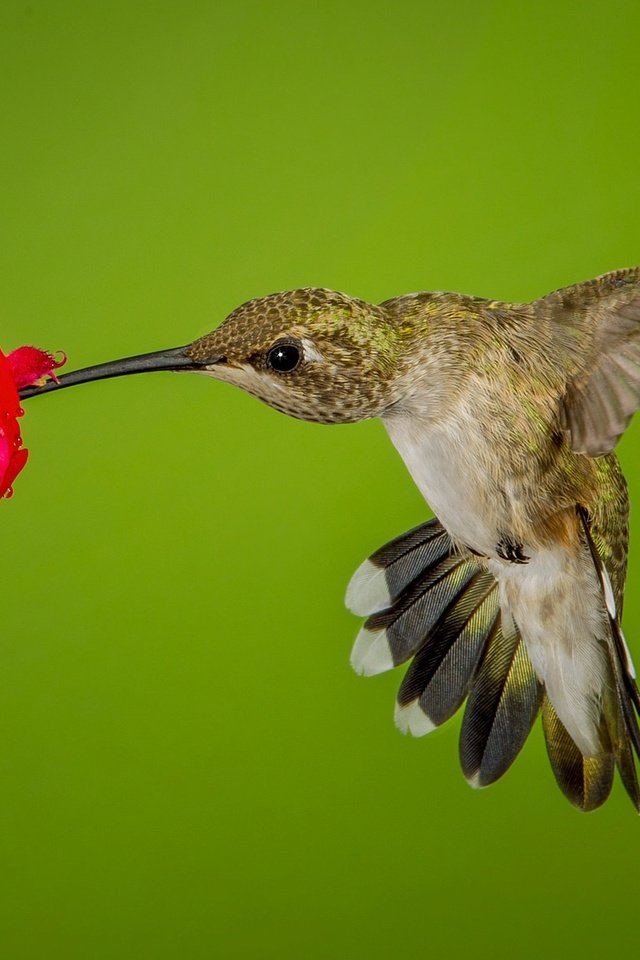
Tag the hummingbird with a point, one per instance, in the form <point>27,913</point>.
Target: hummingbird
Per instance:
<point>506,415</point>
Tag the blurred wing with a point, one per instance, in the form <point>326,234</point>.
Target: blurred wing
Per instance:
<point>598,324</point>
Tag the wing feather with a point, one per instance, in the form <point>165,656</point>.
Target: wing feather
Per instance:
<point>602,318</point>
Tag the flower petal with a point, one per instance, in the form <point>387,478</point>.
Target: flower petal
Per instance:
<point>9,399</point>
<point>13,456</point>
<point>32,366</point>
<point>17,457</point>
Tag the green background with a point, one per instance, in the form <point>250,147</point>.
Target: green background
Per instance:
<point>188,768</point>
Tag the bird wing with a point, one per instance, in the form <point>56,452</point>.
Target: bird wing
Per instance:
<point>596,329</point>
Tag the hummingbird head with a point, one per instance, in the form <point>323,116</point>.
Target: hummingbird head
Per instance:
<point>312,353</point>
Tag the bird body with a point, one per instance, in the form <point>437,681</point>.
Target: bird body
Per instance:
<point>556,602</point>
<point>493,464</point>
<point>506,416</point>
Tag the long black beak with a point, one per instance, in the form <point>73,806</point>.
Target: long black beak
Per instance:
<point>175,359</point>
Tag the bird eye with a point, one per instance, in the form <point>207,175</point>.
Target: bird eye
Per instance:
<point>284,356</point>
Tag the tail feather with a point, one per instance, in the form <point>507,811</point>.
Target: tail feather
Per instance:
<point>443,610</point>
<point>503,704</point>
<point>379,581</point>
<point>440,674</point>
<point>626,686</point>
<point>626,765</point>
<point>391,636</point>
<point>622,727</point>
<point>424,600</point>
<point>585,781</point>
<point>620,703</point>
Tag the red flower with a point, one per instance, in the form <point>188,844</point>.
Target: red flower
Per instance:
<point>22,368</point>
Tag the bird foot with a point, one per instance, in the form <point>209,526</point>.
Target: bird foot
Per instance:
<point>509,550</point>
